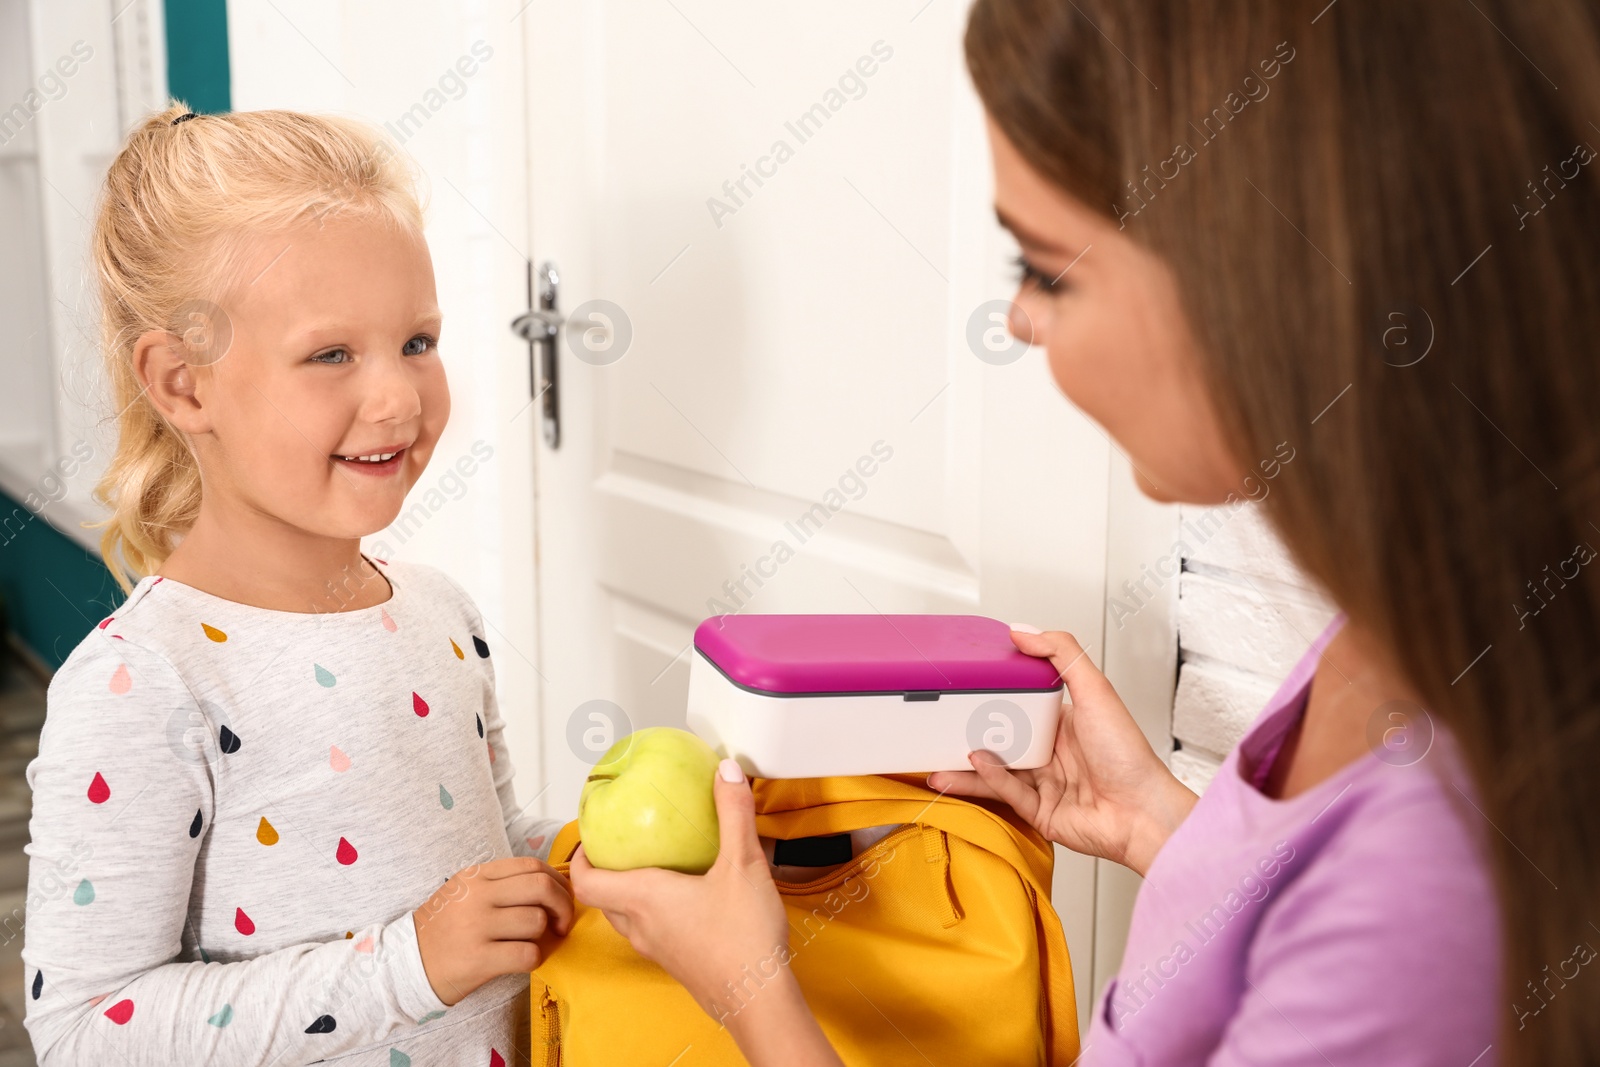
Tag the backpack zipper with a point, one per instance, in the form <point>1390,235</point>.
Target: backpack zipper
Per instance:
<point>550,1024</point>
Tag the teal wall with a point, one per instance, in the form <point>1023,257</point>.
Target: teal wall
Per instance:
<point>197,54</point>
<point>54,590</point>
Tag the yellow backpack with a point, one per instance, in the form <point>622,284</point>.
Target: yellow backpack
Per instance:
<point>937,944</point>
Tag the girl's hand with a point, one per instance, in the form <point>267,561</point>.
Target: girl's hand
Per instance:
<point>487,920</point>
<point>724,935</point>
<point>1104,792</point>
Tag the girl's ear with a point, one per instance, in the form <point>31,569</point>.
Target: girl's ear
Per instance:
<point>168,379</point>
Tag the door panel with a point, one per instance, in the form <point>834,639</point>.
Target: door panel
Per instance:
<point>799,422</point>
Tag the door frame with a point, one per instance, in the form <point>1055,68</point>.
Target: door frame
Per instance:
<point>1140,661</point>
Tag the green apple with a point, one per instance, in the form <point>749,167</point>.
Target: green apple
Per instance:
<point>649,803</point>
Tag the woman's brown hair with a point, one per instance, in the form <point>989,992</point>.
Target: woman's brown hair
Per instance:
<point>1383,216</point>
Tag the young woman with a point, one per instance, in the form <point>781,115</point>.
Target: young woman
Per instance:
<point>1363,228</point>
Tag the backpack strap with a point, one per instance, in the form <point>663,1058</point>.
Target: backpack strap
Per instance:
<point>807,807</point>
<point>565,844</point>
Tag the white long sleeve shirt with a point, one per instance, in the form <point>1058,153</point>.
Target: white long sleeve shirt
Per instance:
<point>235,812</point>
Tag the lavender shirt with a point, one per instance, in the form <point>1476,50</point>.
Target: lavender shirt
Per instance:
<point>1355,923</point>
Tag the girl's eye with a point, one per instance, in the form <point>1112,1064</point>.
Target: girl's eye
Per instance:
<point>333,356</point>
<point>418,345</point>
<point>1028,274</point>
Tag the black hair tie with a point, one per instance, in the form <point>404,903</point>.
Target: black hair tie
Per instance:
<point>185,117</point>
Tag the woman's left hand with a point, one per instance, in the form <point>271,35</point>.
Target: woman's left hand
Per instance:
<point>708,931</point>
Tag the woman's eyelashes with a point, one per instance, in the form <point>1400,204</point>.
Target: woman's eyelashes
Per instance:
<point>417,346</point>
<point>1028,274</point>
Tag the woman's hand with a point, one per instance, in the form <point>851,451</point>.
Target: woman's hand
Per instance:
<point>1104,792</point>
<point>724,934</point>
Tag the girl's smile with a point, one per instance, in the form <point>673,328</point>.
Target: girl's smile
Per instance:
<point>377,464</point>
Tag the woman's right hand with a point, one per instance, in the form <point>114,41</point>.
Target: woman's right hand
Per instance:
<point>488,920</point>
<point>1104,792</point>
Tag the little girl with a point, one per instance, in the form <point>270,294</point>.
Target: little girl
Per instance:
<point>273,819</point>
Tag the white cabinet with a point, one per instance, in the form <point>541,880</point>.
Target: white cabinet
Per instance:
<point>1246,615</point>
<point>72,77</point>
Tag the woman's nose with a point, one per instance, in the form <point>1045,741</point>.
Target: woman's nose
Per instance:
<point>1018,323</point>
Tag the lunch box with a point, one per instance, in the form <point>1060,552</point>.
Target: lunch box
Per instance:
<point>806,696</point>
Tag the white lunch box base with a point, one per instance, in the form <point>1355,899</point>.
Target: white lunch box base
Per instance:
<point>801,736</point>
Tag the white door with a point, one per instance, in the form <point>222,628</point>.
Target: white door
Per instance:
<point>776,226</point>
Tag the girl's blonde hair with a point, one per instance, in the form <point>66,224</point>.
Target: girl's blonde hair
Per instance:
<point>176,203</point>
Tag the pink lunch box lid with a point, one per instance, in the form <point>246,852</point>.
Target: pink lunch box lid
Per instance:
<point>865,654</point>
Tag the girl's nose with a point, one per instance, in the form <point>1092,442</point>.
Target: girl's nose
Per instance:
<point>389,393</point>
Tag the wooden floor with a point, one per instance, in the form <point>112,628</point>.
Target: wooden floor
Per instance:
<point>21,716</point>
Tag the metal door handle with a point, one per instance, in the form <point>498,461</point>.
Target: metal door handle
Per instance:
<point>541,326</point>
